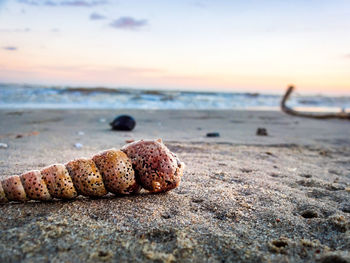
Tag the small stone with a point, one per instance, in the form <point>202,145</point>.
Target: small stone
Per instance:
<point>123,123</point>
<point>3,145</point>
<point>102,120</point>
<point>213,134</point>
<point>81,133</point>
<point>261,132</point>
<point>78,145</point>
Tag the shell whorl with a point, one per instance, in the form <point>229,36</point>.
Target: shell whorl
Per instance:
<point>115,171</point>
<point>157,169</point>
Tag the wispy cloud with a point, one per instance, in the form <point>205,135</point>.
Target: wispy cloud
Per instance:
<point>10,48</point>
<point>347,56</point>
<point>76,3</point>
<point>83,3</point>
<point>16,30</point>
<point>97,16</point>
<point>128,23</point>
<point>199,4</point>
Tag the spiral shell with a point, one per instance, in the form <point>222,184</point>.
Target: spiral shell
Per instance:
<point>142,164</point>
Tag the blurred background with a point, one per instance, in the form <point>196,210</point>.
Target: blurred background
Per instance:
<point>174,54</point>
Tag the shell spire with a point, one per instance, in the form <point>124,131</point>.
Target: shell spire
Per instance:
<point>141,164</point>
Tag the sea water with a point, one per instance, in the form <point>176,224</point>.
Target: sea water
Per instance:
<point>52,97</point>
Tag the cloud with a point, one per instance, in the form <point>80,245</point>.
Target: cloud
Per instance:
<point>10,48</point>
<point>128,23</point>
<point>97,16</point>
<point>76,3</point>
<point>199,4</point>
<point>347,56</point>
<point>16,30</point>
<point>83,3</point>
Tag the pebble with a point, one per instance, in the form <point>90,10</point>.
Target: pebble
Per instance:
<point>261,132</point>
<point>78,145</point>
<point>213,134</point>
<point>102,120</point>
<point>3,145</point>
<point>81,133</point>
<point>123,123</point>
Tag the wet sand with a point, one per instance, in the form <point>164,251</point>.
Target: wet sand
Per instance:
<point>284,197</point>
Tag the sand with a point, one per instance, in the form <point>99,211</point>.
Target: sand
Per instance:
<point>284,197</point>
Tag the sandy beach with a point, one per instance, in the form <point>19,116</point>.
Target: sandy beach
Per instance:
<point>284,197</point>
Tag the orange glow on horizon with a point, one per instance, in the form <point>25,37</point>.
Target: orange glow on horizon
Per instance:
<point>64,73</point>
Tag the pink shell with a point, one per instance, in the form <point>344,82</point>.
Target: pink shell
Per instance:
<point>156,168</point>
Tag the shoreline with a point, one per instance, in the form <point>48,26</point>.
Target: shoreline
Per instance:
<point>51,97</point>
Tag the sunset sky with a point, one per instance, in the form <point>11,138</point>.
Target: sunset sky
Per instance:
<point>226,45</point>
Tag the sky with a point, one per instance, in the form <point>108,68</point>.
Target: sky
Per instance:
<point>226,45</point>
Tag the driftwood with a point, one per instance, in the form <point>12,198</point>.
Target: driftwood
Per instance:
<point>288,110</point>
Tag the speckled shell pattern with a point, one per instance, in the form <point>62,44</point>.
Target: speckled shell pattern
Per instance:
<point>141,164</point>
<point>157,169</point>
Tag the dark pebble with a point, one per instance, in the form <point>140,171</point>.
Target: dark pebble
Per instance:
<point>261,132</point>
<point>123,123</point>
<point>213,134</point>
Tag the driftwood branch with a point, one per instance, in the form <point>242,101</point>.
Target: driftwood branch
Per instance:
<point>288,110</point>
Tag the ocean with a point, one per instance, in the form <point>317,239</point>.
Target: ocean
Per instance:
<point>15,96</point>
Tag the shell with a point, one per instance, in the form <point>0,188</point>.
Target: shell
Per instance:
<point>3,198</point>
<point>86,178</point>
<point>147,164</point>
<point>58,181</point>
<point>116,170</point>
<point>13,189</point>
<point>35,186</point>
<point>157,169</point>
